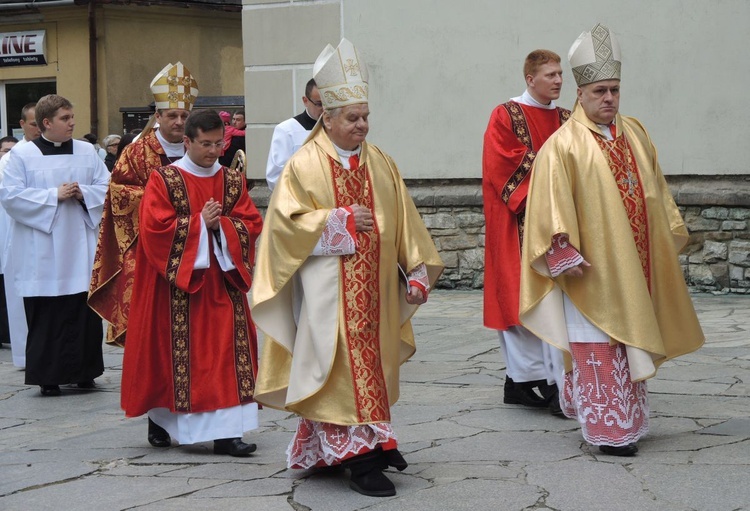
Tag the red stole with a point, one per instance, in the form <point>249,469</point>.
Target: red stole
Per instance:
<point>625,171</point>
<point>360,275</point>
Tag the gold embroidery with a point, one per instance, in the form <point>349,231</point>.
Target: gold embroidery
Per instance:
<point>346,93</point>
<point>360,284</point>
<point>243,356</point>
<point>179,300</point>
<point>626,174</point>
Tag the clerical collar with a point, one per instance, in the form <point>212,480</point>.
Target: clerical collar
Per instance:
<point>344,155</point>
<point>528,100</point>
<point>305,120</point>
<point>189,166</point>
<point>50,148</point>
<point>606,130</point>
<point>50,142</point>
<point>171,149</point>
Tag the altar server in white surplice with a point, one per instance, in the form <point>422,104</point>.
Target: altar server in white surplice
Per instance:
<point>53,190</point>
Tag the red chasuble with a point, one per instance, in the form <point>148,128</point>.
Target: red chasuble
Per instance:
<point>514,135</point>
<point>110,291</point>
<point>191,344</point>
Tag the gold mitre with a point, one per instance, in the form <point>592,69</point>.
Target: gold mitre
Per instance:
<point>341,76</point>
<point>595,56</point>
<point>174,87</point>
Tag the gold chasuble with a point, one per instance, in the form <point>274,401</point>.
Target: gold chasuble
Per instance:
<point>337,327</point>
<point>612,201</point>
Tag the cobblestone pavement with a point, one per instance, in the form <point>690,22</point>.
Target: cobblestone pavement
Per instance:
<point>467,450</point>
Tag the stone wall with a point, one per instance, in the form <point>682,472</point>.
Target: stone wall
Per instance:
<point>716,211</point>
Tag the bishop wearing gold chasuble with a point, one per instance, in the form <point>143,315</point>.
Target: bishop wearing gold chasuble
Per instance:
<point>600,275</point>
<point>327,290</point>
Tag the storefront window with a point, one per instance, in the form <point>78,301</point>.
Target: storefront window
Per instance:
<point>13,96</point>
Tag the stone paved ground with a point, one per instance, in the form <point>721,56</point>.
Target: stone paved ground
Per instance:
<point>467,451</point>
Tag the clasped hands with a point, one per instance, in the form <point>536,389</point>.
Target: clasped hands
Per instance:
<point>211,214</point>
<point>69,191</point>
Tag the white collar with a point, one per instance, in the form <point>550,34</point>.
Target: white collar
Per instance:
<point>344,155</point>
<point>56,144</point>
<point>528,100</point>
<point>186,164</point>
<point>171,149</point>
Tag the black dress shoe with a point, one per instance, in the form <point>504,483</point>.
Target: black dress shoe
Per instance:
<point>90,384</point>
<point>522,394</point>
<point>233,447</point>
<point>158,436</point>
<point>367,475</point>
<point>625,450</point>
<point>330,469</point>
<point>395,459</point>
<point>50,390</point>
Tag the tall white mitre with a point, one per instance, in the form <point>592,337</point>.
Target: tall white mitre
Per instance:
<point>341,76</point>
<point>595,56</point>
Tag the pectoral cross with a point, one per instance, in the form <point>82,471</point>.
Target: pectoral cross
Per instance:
<point>631,181</point>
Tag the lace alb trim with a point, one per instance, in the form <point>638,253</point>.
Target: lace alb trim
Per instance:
<point>419,274</point>
<point>611,409</point>
<point>335,240</point>
<point>562,256</point>
<point>317,444</point>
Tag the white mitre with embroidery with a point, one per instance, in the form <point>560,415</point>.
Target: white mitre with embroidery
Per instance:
<point>174,87</point>
<point>341,76</point>
<point>595,56</point>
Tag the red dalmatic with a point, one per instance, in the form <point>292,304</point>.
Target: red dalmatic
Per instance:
<point>191,344</point>
<point>514,135</point>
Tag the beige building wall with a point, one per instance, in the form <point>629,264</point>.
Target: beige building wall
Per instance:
<point>136,43</point>
<point>133,44</point>
<point>438,68</point>
<point>66,28</point>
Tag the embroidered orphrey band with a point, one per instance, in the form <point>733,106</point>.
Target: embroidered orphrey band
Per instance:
<point>243,356</point>
<point>179,300</point>
<point>360,283</point>
<point>627,177</point>
<point>232,189</point>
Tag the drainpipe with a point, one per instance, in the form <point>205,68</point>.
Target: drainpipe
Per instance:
<point>93,78</point>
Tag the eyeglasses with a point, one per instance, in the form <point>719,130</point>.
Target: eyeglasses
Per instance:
<point>113,145</point>
<point>319,104</point>
<point>208,145</point>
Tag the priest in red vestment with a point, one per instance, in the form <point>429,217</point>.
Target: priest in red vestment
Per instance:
<point>111,288</point>
<point>191,348</point>
<point>600,278</point>
<point>516,131</point>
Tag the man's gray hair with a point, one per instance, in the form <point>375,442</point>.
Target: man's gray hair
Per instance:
<point>334,112</point>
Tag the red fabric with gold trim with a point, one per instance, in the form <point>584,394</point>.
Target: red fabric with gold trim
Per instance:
<point>360,274</point>
<point>514,133</point>
<point>110,291</point>
<point>627,176</point>
<point>191,343</point>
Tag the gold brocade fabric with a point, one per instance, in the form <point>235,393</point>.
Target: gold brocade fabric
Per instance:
<point>573,191</point>
<point>335,358</point>
<point>110,291</point>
